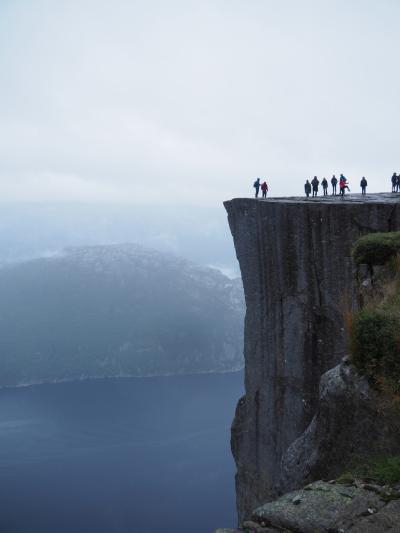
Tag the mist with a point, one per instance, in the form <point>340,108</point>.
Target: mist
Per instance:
<point>184,102</point>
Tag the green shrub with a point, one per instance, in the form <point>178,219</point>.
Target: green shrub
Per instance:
<point>376,248</point>
<point>375,345</point>
<point>383,470</point>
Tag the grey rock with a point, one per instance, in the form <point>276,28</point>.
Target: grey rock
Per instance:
<point>387,519</point>
<point>298,276</point>
<point>351,423</point>
<point>325,507</point>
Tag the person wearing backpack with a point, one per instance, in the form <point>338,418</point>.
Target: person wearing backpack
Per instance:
<point>264,188</point>
<point>363,185</point>
<point>315,183</point>
<point>256,185</point>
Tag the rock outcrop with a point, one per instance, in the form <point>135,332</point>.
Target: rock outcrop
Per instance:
<point>297,270</point>
<point>332,507</point>
<point>353,423</point>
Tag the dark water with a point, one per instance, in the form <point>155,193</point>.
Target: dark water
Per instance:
<point>118,456</point>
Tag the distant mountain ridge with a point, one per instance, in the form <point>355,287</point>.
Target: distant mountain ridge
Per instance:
<point>116,310</point>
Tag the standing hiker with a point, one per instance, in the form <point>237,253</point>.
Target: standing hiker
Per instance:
<point>324,184</point>
<point>307,188</point>
<point>256,185</point>
<point>394,182</point>
<point>334,183</point>
<point>264,188</point>
<point>315,183</point>
<point>363,185</point>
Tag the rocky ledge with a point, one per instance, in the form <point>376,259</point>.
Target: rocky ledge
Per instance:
<point>328,507</point>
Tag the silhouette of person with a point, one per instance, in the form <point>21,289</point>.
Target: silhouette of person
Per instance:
<point>264,188</point>
<point>257,185</point>
<point>334,183</point>
<point>363,185</point>
<point>398,183</point>
<point>324,184</point>
<point>394,182</point>
<point>307,188</point>
<point>315,183</point>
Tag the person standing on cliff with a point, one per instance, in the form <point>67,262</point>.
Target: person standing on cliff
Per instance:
<point>324,184</point>
<point>334,183</point>
<point>257,185</point>
<point>398,183</point>
<point>315,183</point>
<point>264,188</point>
<point>307,188</point>
<point>394,182</point>
<point>363,185</point>
<point>343,184</point>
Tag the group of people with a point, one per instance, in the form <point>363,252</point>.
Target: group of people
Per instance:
<point>312,187</point>
<point>395,182</point>
<point>343,185</point>
<point>263,186</point>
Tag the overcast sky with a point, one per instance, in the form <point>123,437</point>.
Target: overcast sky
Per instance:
<point>188,101</point>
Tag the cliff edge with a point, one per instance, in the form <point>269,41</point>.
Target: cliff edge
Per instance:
<point>298,278</point>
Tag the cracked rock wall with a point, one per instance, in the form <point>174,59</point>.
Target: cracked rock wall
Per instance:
<point>295,260</point>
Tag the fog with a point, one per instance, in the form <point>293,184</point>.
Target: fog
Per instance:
<point>186,102</point>
<point>131,122</point>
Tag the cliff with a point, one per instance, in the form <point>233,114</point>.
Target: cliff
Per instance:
<point>298,277</point>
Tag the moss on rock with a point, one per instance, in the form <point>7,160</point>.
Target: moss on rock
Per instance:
<point>375,344</point>
<point>376,248</point>
<point>375,329</point>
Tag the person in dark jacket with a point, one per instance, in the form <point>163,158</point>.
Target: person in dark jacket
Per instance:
<point>324,184</point>
<point>398,183</point>
<point>334,183</point>
<point>394,182</point>
<point>257,185</point>
<point>315,183</point>
<point>363,185</point>
<point>307,188</point>
<point>264,188</point>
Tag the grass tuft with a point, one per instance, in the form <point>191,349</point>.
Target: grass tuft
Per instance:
<point>385,471</point>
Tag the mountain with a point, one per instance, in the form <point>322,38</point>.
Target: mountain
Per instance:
<point>118,310</point>
<point>30,230</point>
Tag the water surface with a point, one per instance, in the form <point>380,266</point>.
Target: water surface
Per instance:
<point>116,456</point>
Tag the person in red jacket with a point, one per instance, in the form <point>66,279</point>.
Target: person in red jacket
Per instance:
<point>343,184</point>
<point>264,188</point>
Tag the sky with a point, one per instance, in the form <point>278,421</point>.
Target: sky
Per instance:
<point>188,102</point>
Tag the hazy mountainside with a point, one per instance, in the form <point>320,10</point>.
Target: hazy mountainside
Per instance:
<point>113,311</point>
<point>39,229</point>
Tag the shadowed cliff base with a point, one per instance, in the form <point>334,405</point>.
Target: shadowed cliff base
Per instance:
<point>298,276</point>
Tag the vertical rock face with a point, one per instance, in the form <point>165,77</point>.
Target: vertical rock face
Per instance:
<point>295,259</point>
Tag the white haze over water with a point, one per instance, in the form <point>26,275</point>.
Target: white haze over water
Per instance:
<point>187,101</point>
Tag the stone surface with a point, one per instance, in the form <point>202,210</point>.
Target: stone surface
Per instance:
<point>352,422</point>
<point>295,259</point>
<point>324,507</point>
<point>387,519</point>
